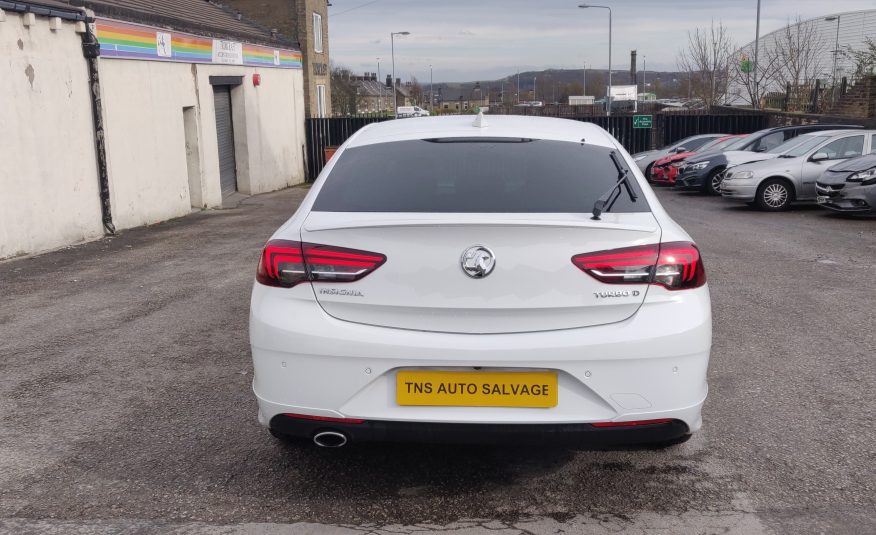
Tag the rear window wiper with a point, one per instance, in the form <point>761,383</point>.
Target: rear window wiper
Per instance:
<point>607,200</point>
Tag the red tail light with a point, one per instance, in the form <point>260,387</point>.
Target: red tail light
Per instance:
<point>328,419</point>
<point>674,265</point>
<point>286,263</point>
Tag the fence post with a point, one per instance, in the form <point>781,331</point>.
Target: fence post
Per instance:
<point>813,105</point>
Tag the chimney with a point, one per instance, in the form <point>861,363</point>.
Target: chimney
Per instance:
<point>388,80</point>
<point>373,76</point>
<point>633,68</point>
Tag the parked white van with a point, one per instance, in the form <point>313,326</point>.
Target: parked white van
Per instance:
<point>412,111</point>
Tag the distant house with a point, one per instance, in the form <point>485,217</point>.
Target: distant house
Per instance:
<point>460,100</point>
<point>581,100</point>
<point>372,95</point>
<point>306,23</point>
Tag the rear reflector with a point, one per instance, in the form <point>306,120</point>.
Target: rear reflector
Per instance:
<point>285,263</point>
<point>633,423</point>
<point>673,265</point>
<point>327,419</point>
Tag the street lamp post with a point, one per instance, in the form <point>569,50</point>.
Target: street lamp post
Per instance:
<point>644,73</point>
<point>379,91</point>
<point>835,53</point>
<point>608,96</point>
<point>431,96</point>
<point>585,79</point>
<point>394,90</point>
<point>756,102</point>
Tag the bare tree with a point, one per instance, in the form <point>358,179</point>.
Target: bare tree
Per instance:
<point>797,54</point>
<point>343,91</point>
<point>706,61</point>
<point>865,59</point>
<point>417,95</point>
<point>748,83</point>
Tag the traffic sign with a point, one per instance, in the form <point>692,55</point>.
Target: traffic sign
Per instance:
<point>643,121</point>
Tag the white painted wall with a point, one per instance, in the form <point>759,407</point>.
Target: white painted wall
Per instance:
<point>48,181</point>
<point>143,109</point>
<point>48,177</point>
<point>143,105</point>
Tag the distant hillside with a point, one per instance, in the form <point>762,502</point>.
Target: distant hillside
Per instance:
<point>558,84</point>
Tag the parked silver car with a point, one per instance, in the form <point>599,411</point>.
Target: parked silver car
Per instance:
<point>774,184</point>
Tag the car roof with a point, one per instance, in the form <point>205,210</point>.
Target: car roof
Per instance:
<point>514,126</point>
<point>817,127</point>
<point>828,133</point>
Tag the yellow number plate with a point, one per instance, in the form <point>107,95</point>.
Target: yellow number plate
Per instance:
<point>477,389</point>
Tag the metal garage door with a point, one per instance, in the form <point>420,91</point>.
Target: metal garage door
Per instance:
<point>225,135</point>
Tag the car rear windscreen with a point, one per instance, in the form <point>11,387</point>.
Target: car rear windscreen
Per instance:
<point>472,175</point>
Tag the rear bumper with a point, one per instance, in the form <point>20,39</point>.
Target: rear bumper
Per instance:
<point>580,434</point>
<point>643,368</point>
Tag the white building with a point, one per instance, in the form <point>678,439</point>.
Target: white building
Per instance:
<point>827,35</point>
<point>189,107</point>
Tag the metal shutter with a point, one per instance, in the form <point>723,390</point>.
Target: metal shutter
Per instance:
<point>225,137</point>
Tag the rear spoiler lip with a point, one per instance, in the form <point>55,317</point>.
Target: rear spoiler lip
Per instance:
<point>460,220</point>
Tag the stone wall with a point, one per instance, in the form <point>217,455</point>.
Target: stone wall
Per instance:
<point>859,101</point>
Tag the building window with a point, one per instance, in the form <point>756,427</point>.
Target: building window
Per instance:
<point>320,101</point>
<point>317,32</point>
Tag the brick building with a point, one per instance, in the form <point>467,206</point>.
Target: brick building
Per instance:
<point>304,21</point>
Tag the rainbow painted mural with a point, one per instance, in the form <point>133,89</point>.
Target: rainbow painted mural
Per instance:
<point>135,41</point>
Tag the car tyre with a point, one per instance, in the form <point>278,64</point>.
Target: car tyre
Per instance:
<point>648,173</point>
<point>774,195</point>
<point>713,182</point>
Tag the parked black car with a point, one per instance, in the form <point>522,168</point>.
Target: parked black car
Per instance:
<point>704,171</point>
<point>849,186</point>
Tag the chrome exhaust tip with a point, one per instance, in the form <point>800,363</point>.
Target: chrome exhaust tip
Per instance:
<point>330,439</point>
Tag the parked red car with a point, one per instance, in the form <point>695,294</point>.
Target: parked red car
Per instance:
<point>665,169</point>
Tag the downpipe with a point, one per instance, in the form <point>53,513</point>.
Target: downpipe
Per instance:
<point>330,439</point>
<point>91,51</point>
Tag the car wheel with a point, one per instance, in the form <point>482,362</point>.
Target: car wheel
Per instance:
<point>712,185</point>
<point>648,173</point>
<point>774,195</point>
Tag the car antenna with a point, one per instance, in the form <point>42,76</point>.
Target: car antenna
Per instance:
<point>480,121</point>
<point>623,179</point>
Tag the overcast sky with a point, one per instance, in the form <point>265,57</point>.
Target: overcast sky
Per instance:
<point>467,40</point>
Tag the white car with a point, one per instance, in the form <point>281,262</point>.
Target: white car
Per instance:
<point>495,280</point>
<point>412,111</point>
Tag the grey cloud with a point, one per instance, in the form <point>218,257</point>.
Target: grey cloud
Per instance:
<point>485,39</point>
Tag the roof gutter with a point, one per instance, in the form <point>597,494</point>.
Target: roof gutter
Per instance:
<point>21,7</point>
